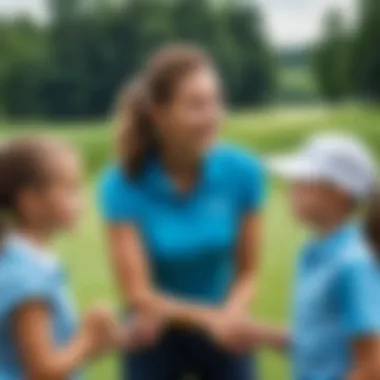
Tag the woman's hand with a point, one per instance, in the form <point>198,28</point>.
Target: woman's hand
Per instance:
<point>141,332</point>
<point>232,332</point>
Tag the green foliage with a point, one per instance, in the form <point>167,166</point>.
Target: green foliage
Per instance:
<point>296,79</point>
<point>366,53</point>
<point>74,65</point>
<point>332,59</point>
<point>350,64</point>
<point>22,46</point>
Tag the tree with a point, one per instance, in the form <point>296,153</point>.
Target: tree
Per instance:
<point>332,59</point>
<point>74,65</point>
<point>366,52</point>
<point>22,47</point>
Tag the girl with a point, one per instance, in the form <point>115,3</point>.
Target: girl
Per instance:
<point>183,220</point>
<point>336,319</point>
<point>40,195</point>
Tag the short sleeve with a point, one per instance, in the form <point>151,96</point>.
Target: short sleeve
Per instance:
<point>360,297</point>
<point>20,287</point>
<point>116,197</point>
<point>253,186</point>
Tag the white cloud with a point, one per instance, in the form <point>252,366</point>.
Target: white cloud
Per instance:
<point>34,8</point>
<point>298,22</point>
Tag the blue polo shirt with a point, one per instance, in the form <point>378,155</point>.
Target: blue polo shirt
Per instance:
<point>190,238</point>
<point>27,275</point>
<point>337,300</point>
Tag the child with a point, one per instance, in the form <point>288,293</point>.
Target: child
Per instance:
<point>40,195</point>
<point>336,317</point>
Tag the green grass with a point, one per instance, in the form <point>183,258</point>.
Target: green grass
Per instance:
<point>263,131</point>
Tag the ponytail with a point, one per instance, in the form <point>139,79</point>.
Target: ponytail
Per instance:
<point>137,137</point>
<point>372,222</point>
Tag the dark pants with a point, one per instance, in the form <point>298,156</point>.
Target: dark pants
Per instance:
<point>181,353</point>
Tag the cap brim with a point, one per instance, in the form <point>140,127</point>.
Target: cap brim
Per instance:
<point>292,167</point>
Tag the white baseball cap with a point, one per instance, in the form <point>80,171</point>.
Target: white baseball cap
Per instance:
<point>338,159</point>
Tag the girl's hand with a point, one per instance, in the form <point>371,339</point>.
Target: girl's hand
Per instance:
<point>100,329</point>
<point>141,332</point>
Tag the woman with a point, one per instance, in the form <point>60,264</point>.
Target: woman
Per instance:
<point>183,221</point>
<point>336,318</point>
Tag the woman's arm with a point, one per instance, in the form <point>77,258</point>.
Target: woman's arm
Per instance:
<point>133,275</point>
<point>273,337</point>
<point>244,287</point>
<point>366,352</point>
<point>42,359</point>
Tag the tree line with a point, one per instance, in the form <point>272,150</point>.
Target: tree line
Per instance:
<point>73,65</point>
<point>347,63</point>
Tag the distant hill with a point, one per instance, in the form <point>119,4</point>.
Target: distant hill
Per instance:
<point>299,56</point>
<point>296,82</point>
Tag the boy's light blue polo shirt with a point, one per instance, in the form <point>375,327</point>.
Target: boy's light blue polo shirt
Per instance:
<point>190,239</point>
<point>337,300</point>
<point>26,276</point>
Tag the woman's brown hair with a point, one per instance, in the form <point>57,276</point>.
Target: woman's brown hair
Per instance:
<point>24,164</point>
<point>137,139</point>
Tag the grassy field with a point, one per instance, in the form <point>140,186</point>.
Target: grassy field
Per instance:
<point>263,131</point>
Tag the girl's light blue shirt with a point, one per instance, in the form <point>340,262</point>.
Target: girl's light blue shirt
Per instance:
<point>337,300</point>
<point>190,239</point>
<point>27,275</point>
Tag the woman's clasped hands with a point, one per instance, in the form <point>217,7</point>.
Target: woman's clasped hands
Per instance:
<point>232,331</point>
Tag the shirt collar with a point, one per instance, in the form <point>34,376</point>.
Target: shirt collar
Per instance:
<point>157,180</point>
<point>326,247</point>
<point>41,254</point>
<point>339,234</point>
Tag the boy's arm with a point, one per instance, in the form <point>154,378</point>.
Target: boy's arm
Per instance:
<point>366,354</point>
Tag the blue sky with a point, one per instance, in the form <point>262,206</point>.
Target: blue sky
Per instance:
<point>289,22</point>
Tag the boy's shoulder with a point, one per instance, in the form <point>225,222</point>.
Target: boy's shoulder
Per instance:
<point>356,251</point>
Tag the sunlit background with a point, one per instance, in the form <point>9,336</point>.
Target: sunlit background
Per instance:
<point>290,67</point>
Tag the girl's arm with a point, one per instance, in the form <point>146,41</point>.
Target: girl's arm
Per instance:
<point>249,243</point>
<point>41,358</point>
<point>132,273</point>
<point>366,352</point>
